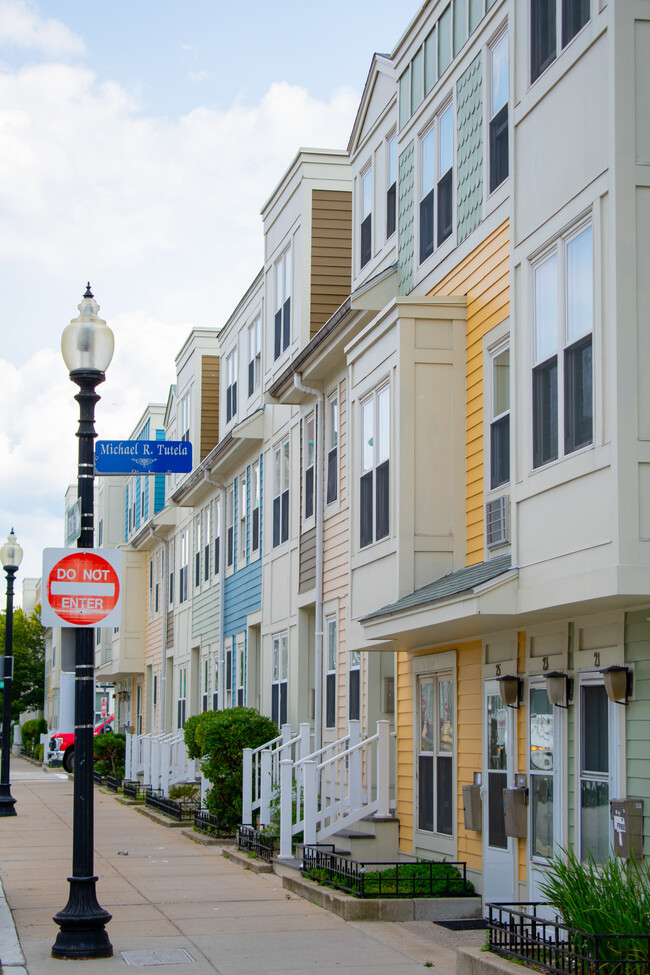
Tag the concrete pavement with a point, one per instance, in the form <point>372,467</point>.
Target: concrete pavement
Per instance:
<point>166,892</point>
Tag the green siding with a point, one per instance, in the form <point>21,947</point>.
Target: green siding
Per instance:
<point>406,220</point>
<point>205,613</point>
<point>637,724</point>
<point>469,119</point>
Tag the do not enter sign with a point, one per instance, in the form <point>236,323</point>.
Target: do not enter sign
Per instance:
<point>82,587</point>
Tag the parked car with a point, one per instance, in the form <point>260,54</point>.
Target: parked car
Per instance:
<point>61,746</point>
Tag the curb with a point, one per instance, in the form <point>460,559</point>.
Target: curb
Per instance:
<point>254,863</point>
<point>475,961</point>
<point>12,960</point>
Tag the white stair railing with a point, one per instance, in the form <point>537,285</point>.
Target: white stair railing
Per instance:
<point>261,770</point>
<point>334,787</point>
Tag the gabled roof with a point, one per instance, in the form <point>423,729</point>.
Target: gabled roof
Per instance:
<point>461,581</point>
<point>380,64</point>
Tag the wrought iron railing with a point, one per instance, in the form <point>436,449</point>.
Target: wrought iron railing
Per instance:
<point>98,778</point>
<point>422,878</point>
<point>113,782</point>
<point>525,932</point>
<point>206,823</point>
<point>131,789</point>
<point>255,840</point>
<point>180,811</point>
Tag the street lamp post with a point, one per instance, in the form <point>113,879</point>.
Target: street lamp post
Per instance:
<point>11,555</point>
<point>87,349</point>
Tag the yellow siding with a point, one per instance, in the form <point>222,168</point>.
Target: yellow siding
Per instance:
<point>468,744</point>
<point>483,276</point>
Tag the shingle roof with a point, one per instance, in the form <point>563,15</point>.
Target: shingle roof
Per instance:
<point>463,580</point>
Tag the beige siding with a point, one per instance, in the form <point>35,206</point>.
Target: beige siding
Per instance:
<point>331,254</point>
<point>307,571</point>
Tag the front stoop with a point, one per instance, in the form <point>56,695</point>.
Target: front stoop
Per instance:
<point>380,908</point>
<point>249,863</point>
<point>475,961</point>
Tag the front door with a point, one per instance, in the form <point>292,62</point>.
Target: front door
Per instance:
<point>498,765</point>
<point>545,783</point>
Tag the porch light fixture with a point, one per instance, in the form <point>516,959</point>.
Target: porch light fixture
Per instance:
<point>559,687</point>
<point>510,690</point>
<point>618,683</point>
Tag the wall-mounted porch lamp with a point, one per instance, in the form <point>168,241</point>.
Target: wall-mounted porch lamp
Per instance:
<point>618,683</point>
<point>511,690</point>
<point>559,688</point>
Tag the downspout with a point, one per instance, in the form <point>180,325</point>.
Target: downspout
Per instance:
<point>319,509</point>
<point>222,589</point>
<point>165,610</point>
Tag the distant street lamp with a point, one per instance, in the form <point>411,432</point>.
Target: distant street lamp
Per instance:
<point>87,348</point>
<point>11,555</point>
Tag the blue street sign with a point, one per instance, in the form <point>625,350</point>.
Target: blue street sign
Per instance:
<point>143,457</point>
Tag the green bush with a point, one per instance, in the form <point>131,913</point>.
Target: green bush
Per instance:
<point>30,733</point>
<point>184,792</point>
<point>218,739</point>
<point>601,898</point>
<point>38,753</point>
<point>109,754</point>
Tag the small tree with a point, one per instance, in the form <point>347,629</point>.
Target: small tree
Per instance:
<point>218,739</point>
<point>29,661</point>
<point>109,754</point>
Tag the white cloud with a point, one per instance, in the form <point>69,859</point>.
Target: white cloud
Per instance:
<point>22,26</point>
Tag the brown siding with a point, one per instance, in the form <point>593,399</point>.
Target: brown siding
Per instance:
<point>209,403</point>
<point>331,254</point>
<point>307,577</point>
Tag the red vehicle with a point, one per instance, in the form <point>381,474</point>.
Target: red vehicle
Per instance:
<point>61,747</point>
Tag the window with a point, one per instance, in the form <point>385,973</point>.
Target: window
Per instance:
<point>255,507</point>
<point>184,413</point>
<point>281,493</point>
<point>435,755</point>
<point>544,24</point>
<point>391,182</point>
<point>254,355</point>
<point>542,757</point>
<point>206,542</point>
<point>197,552</point>
<point>160,575</point>
<point>243,516</point>
<point>436,181</point>
<point>185,558</point>
<point>231,386</point>
<point>374,482</point>
<point>230,526</point>
<point>332,448</point>
<point>217,536</point>
<point>500,422</point>
<point>282,321</point>
<point>241,671</point>
<point>279,663</point>
<point>229,675</point>
<point>366,216</point>
<point>562,383</point>
<point>308,453</point>
<point>594,772</point>
<point>215,691</point>
<point>150,585</point>
<point>330,676</point>
<point>354,686</point>
<point>499,112</point>
<point>171,573</point>
<point>182,696</point>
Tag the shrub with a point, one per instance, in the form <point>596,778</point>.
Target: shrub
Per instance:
<point>30,733</point>
<point>218,739</point>
<point>184,792</point>
<point>38,753</point>
<point>109,754</point>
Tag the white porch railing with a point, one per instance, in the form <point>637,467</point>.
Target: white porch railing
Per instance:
<point>335,787</point>
<point>261,771</point>
<point>161,760</point>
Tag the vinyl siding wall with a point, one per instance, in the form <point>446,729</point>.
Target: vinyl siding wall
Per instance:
<point>331,254</point>
<point>209,403</point>
<point>637,652</point>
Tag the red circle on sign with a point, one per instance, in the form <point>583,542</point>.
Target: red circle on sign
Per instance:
<point>83,588</point>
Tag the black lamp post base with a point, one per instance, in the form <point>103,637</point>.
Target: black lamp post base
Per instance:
<point>82,922</point>
<point>7,802</point>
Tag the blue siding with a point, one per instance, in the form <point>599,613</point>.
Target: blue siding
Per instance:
<point>243,589</point>
<point>159,483</point>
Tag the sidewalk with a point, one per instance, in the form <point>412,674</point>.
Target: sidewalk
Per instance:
<point>166,892</point>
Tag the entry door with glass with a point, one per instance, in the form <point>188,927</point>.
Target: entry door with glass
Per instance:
<point>544,767</point>
<point>498,849</point>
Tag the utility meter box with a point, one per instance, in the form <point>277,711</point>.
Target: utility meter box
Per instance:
<point>627,817</point>
<point>473,807</point>
<point>515,807</point>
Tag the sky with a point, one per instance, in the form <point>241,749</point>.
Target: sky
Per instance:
<point>139,140</point>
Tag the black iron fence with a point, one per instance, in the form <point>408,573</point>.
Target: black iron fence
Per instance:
<point>255,840</point>
<point>113,782</point>
<point>131,789</point>
<point>98,778</point>
<point>424,878</point>
<point>180,811</point>
<point>525,932</point>
<point>206,823</point>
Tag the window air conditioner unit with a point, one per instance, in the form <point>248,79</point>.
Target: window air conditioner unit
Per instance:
<point>497,523</point>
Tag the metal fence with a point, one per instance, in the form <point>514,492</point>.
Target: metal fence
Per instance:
<point>255,840</point>
<point>524,932</point>
<point>424,878</point>
<point>98,778</point>
<point>113,782</point>
<point>206,823</point>
<point>131,789</point>
<point>180,811</point>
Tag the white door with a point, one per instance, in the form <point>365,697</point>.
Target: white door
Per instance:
<point>499,859</point>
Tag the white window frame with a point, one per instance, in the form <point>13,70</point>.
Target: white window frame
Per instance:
<point>207,541</point>
<point>309,465</point>
<point>280,674</point>
<point>254,355</point>
<point>355,665</point>
<point>231,386</point>
<point>373,460</point>
<point>282,289</point>
<point>256,509</point>
<point>493,110</point>
<point>197,551</point>
<point>230,529</point>
<point>184,415</point>
<point>560,46</point>
<point>431,136</point>
<point>616,765</point>
<point>366,207</point>
<point>281,477</point>
<point>331,667</point>
<point>497,418</point>
<point>242,518</point>
<point>391,182</point>
<point>216,548</point>
<point>333,434</point>
<point>183,592</point>
<point>181,708</point>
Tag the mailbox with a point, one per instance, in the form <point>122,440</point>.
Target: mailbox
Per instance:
<point>473,807</point>
<point>515,808</point>
<point>627,816</point>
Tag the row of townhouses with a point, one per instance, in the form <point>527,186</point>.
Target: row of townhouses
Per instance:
<point>420,500</point>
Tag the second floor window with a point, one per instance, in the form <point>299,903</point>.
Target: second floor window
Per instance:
<point>184,565</point>
<point>230,526</point>
<point>500,421</point>
<point>254,355</point>
<point>332,448</point>
<point>206,543</point>
<point>544,26</point>
<point>366,217</point>
<point>243,517</point>
<point>436,184</point>
<point>308,450</point>
<point>197,553</point>
<point>374,493</point>
<point>255,507</point>
<point>282,319</point>
<point>281,493</point>
<point>391,183</point>
<point>499,112</point>
<point>217,536</point>
<point>231,385</point>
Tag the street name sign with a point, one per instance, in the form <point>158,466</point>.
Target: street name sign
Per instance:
<point>81,587</point>
<point>143,457</point>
